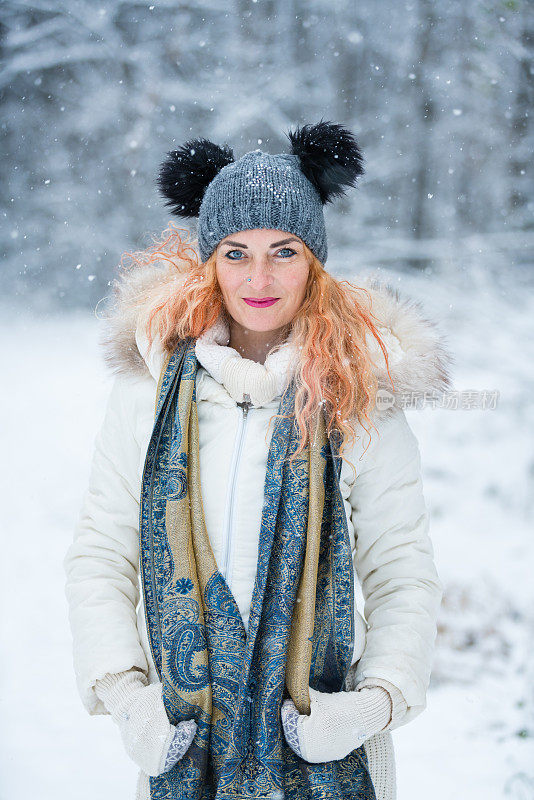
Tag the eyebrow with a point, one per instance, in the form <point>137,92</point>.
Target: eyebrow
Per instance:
<point>274,244</point>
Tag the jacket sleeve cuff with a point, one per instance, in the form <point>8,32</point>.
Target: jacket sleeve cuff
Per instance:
<point>399,706</point>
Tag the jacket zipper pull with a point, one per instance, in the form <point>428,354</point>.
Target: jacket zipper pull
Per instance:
<point>245,404</point>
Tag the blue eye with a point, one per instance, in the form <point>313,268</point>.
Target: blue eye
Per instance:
<point>227,255</point>
<point>291,251</point>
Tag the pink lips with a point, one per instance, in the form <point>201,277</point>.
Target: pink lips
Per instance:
<point>263,303</point>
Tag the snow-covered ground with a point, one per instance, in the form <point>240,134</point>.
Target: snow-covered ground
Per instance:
<point>474,740</point>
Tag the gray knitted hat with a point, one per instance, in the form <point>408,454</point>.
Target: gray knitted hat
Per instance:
<point>284,192</point>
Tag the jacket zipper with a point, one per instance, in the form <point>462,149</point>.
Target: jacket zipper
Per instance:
<point>228,537</point>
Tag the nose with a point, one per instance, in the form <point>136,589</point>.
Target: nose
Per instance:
<point>261,276</point>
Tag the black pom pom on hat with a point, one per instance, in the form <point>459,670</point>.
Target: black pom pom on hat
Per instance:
<point>187,172</point>
<point>329,157</point>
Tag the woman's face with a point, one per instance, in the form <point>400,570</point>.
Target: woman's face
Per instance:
<point>276,263</point>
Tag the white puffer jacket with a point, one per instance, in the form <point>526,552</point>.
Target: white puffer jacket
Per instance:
<point>395,576</point>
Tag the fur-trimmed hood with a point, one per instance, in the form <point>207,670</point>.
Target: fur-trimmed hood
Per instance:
<point>419,358</point>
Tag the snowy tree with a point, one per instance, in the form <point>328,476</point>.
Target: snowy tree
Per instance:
<point>438,95</point>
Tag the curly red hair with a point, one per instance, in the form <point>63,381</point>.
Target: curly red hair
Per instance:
<point>329,330</point>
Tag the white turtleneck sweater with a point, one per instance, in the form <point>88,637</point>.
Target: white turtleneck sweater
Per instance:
<point>242,376</point>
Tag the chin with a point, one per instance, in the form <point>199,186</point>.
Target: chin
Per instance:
<point>259,320</point>
<point>261,327</point>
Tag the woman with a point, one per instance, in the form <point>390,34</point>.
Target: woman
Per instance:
<point>246,671</point>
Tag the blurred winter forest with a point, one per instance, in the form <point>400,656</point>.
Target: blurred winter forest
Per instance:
<point>439,96</point>
<point>95,93</point>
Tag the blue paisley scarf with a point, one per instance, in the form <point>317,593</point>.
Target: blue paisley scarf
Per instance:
<point>301,626</point>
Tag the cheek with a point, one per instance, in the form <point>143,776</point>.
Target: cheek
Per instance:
<point>296,284</point>
<point>228,280</point>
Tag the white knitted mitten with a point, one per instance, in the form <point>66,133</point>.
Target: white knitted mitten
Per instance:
<point>138,709</point>
<point>337,724</point>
